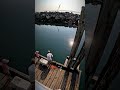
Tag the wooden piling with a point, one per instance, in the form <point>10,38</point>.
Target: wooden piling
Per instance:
<point>103,29</point>
<point>78,36</point>
<point>111,69</point>
<point>80,57</point>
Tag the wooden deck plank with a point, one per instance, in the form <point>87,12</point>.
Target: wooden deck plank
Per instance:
<point>47,78</point>
<point>39,77</point>
<point>68,81</point>
<point>45,73</point>
<point>55,79</point>
<point>38,73</point>
<point>77,81</point>
<point>60,79</point>
<point>79,75</point>
<point>36,70</point>
<point>37,65</point>
<point>73,80</point>
<point>65,80</point>
<point>52,78</point>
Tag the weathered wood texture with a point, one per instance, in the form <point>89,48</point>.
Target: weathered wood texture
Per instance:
<point>80,57</point>
<point>111,69</point>
<point>79,33</point>
<point>78,36</point>
<point>103,29</point>
<point>55,78</point>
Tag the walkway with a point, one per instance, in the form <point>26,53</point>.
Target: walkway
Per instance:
<point>56,78</point>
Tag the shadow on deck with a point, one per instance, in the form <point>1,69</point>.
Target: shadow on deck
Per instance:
<point>44,70</point>
<point>57,78</point>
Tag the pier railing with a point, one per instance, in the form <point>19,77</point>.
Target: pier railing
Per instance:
<point>58,64</point>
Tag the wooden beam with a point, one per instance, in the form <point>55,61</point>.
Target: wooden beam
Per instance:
<point>80,57</point>
<point>111,69</point>
<point>79,33</point>
<point>103,29</point>
<point>78,36</point>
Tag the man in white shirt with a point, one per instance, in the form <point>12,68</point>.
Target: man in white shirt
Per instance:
<point>49,57</point>
<point>66,61</point>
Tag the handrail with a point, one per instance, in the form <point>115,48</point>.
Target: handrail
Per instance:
<point>57,63</point>
<point>52,61</point>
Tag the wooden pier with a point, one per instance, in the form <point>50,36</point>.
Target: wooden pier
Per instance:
<point>57,78</point>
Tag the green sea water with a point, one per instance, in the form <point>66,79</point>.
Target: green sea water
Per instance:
<point>57,39</point>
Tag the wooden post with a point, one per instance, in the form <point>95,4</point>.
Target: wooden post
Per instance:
<point>78,36</point>
<point>103,29</point>
<point>111,69</point>
<point>80,57</point>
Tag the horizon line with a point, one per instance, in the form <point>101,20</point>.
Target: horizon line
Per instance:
<point>59,10</point>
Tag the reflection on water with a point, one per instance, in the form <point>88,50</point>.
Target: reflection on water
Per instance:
<point>57,39</point>
<point>71,41</point>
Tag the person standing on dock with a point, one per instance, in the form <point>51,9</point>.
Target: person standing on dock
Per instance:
<point>37,56</point>
<point>49,57</point>
<point>66,61</point>
<point>73,62</point>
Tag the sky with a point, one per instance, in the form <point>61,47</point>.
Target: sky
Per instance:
<point>52,5</point>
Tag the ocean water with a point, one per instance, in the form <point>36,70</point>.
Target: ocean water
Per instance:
<point>57,39</point>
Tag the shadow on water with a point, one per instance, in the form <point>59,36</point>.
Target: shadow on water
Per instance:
<point>44,70</point>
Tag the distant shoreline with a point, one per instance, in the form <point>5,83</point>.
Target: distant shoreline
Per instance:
<point>55,24</point>
<point>57,18</point>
